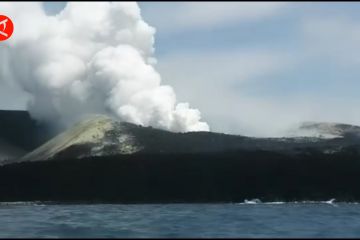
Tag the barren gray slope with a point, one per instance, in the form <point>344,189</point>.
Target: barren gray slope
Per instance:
<point>96,134</point>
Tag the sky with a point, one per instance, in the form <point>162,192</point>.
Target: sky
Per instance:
<point>254,68</point>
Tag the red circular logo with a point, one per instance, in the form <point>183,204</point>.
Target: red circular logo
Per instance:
<point>6,27</point>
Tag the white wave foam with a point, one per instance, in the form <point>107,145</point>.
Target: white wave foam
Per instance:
<point>258,201</point>
<point>22,204</point>
<point>253,201</point>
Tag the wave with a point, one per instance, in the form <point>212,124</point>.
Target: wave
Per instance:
<point>255,201</point>
<point>258,201</point>
<point>35,203</point>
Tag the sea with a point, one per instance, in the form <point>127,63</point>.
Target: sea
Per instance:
<point>248,219</point>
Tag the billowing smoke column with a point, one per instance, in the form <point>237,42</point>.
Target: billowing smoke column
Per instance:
<point>90,58</point>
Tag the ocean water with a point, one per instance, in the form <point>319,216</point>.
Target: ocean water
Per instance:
<point>180,220</point>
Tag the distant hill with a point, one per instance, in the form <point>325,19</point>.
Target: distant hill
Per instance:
<point>100,135</point>
<point>330,130</point>
<point>8,151</point>
<point>17,128</point>
<point>20,134</point>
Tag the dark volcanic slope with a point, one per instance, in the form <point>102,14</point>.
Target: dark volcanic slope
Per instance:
<point>103,136</point>
<point>19,130</point>
<point>101,160</point>
<point>8,151</point>
<point>201,177</point>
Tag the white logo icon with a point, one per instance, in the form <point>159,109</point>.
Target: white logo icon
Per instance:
<point>3,22</point>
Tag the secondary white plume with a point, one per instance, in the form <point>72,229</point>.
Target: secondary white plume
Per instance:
<point>90,58</point>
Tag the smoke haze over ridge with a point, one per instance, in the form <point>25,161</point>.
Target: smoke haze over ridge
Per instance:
<point>90,58</point>
<point>255,69</point>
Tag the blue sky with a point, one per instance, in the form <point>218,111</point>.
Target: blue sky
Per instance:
<point>255,68</point>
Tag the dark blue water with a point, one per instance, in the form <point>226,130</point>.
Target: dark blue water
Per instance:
<point>180,220</point>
